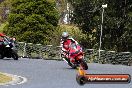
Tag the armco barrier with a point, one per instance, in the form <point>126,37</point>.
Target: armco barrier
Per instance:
<point>38,51</point>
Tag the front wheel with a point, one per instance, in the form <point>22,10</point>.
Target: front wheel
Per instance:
<point>14,55</point>
<point>84,64</point>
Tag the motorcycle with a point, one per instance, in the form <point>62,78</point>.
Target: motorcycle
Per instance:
<point>8,48</point>
<point>75,57</point>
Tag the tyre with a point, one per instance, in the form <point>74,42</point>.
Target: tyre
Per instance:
<point>84,64</point>
<point>14,55</point>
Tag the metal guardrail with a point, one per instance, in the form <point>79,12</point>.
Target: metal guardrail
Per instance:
<point>38,51</point>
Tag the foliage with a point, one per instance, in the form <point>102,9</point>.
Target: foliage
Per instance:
<point>29,20</point>
<point>2,26</point>
<point>4,10</point>
<point>74,32</point>
<point>117,26</point>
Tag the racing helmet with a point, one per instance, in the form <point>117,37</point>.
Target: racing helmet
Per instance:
<point>65,35</point>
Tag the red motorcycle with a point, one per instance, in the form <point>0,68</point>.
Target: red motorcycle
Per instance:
<point>75,57</point>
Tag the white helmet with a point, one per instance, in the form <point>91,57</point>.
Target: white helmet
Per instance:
<point>65,35</point>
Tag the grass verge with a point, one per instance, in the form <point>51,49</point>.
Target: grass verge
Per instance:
<point>4,78</point>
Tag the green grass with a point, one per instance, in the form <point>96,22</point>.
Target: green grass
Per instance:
<point>4,78</point>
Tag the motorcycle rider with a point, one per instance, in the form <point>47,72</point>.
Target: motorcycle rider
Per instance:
<point>66,42</point>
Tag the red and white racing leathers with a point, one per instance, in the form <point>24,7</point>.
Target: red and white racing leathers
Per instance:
<point>66,47</point>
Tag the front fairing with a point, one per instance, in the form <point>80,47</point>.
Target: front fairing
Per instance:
<point>75,50</point>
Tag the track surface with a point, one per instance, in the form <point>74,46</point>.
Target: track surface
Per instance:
<point>57,74</point>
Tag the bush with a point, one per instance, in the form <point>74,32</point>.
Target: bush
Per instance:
<point>2,26</point>
<point>74,31</point>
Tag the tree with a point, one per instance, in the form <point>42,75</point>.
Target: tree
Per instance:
<point>31,20</point>
<point>73,31</point>
<point>87,16</point>
<point>4,9</point>
<point>117,26</point>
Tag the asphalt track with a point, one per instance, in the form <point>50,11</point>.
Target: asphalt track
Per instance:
<point>57,74</point>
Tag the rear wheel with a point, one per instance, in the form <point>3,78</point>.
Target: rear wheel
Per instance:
<point>1,56</point>
<point>84,64</point>
<point>14,55</point>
